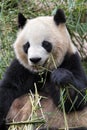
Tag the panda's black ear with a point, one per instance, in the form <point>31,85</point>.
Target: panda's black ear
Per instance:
<point>59,17</point>
<point>21,20</point>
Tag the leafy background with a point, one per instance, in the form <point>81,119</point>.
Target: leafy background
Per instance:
<point>75,10</point>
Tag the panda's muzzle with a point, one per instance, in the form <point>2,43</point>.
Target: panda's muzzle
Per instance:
<point>35,60</point>
<point>37,65</point>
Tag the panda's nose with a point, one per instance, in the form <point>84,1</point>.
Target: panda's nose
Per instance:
<point>35,60</point>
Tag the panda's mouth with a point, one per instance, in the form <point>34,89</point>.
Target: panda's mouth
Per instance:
<point>39,67</point>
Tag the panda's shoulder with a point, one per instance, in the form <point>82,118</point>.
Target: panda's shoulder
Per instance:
<point>73,63</point>
<point>16,70</point>
<point>16,67</point>
<point>72,60</point>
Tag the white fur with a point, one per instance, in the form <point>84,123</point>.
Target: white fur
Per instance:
<point>35,32</point>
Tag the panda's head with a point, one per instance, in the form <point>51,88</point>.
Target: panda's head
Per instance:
<point>42,41</point>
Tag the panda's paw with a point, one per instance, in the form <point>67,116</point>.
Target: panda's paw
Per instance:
<point>62,77</point>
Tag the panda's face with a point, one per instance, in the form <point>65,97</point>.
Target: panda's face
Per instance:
<point>42,41</point>
<point>37,54</point>
<point>37,46</point>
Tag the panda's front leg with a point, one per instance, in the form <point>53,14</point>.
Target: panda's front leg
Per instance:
<point>62,77</point>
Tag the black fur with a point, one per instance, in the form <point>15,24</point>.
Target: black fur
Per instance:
<point>70,72</point>
<point>18,81</point>
<point>47,45</point>
<point>25,47</point>
<point>21,20</point>
<point>59,17</point>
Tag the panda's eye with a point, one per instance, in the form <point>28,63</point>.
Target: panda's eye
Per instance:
<point>25,47</point>
<point>47,45</point>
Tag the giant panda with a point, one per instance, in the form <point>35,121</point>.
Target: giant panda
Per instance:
<point>44,50</point>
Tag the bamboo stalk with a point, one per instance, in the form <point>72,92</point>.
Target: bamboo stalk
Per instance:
<point>26,122</point>
<point>62,99</point>
<point>64,113</point>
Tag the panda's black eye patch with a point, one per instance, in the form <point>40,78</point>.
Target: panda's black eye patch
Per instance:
<point>25,47</point>
<point>47,45</point>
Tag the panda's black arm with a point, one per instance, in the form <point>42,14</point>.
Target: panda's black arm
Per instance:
<point>71,72</point>
<point>73,65</point>
<point>16,82</point>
